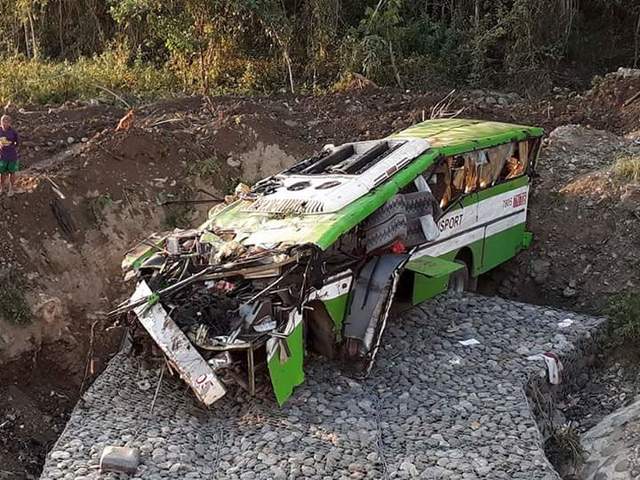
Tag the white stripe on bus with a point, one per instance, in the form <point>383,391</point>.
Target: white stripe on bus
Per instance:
<point>505,223</point>
<point>496,207</point>
<point>457,242</point>
<point>483,219</point>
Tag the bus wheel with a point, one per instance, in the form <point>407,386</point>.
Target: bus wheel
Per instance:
<point>459,281</point>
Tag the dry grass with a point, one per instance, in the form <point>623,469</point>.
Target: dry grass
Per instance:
<point>627,167</point>
<point>112,74</point>
<point>564,447</point>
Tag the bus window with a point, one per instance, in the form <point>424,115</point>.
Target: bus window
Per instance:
<point>458,175</point>
<point>534,149</point>
<point>517,162</point>
<point>454,177</point>
<point>496,159</point>
<point>471,161</point>
<point>440,184</point>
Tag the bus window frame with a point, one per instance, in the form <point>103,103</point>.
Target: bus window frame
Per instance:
<point>529,171</point>
<point>536,143</point>
<point>454,201</point>
<point>535,151</point>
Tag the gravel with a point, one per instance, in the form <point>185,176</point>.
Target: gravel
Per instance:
<point>431,409</point>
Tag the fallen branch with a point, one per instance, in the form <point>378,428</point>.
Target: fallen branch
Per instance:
<point>110,153</point>
<point>439,110</point>
<point>174,202</point>
<point>89,366</point>
<point>169,120</point>
<point>55,188</point>
<point>632,99</point>
<point>113,93</point>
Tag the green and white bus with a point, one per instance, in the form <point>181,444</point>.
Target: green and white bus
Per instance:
<point>481,178</point>
<point>313,257</point>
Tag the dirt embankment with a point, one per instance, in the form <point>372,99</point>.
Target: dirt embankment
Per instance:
<point>585,215</point>
<point>91,192</point>
<point>87,194</point>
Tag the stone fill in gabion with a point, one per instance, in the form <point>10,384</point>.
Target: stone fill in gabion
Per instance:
<point>432,408</point>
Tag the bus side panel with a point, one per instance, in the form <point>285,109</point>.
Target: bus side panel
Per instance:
<point>335,295</point>
<point>503,211</point>
<point>502,245</point>
<point>285,358</point>
<point>476,249</point>
<point>425,288</point>
<point>337,309</point>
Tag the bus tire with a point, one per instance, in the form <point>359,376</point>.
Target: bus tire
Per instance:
<point>459,281</point>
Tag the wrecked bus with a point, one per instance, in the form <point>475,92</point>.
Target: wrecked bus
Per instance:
<point>311,258</point>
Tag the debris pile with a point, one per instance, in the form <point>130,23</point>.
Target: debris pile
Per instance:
<point>237,287</point>
<point>226,297</point>
<point>115,181</point>
<point>616,98</point>
<point>222,295</point>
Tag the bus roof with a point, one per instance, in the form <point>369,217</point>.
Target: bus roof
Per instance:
<point>446,137</point>
<point>464,134</point>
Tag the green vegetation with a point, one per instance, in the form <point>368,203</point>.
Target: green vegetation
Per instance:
<point>209,167</point>
<point>55,50</point>
<point>37,81</point>
<point>14,307</point>
<point>627,168</point>
<point>624,312</point>
<point>98,205</point>
<point>177,216</point>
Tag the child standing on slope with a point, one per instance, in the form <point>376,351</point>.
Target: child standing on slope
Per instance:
<point>9,163</point>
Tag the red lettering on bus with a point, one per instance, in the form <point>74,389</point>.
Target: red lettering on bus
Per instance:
<point>519,199</point>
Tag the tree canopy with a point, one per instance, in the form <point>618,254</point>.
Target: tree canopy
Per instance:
<point>293,44</point>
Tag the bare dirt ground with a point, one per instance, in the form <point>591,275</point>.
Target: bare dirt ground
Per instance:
<point>91,192</point>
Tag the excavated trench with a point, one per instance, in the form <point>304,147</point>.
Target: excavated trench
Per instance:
<point>51,395</point>
<point>597,405</point>
<point>559,427</point>
<point>38,391</point>
<point>72,341</point>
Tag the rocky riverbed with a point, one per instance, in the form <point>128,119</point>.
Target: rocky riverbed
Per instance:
<point>432,408</point>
